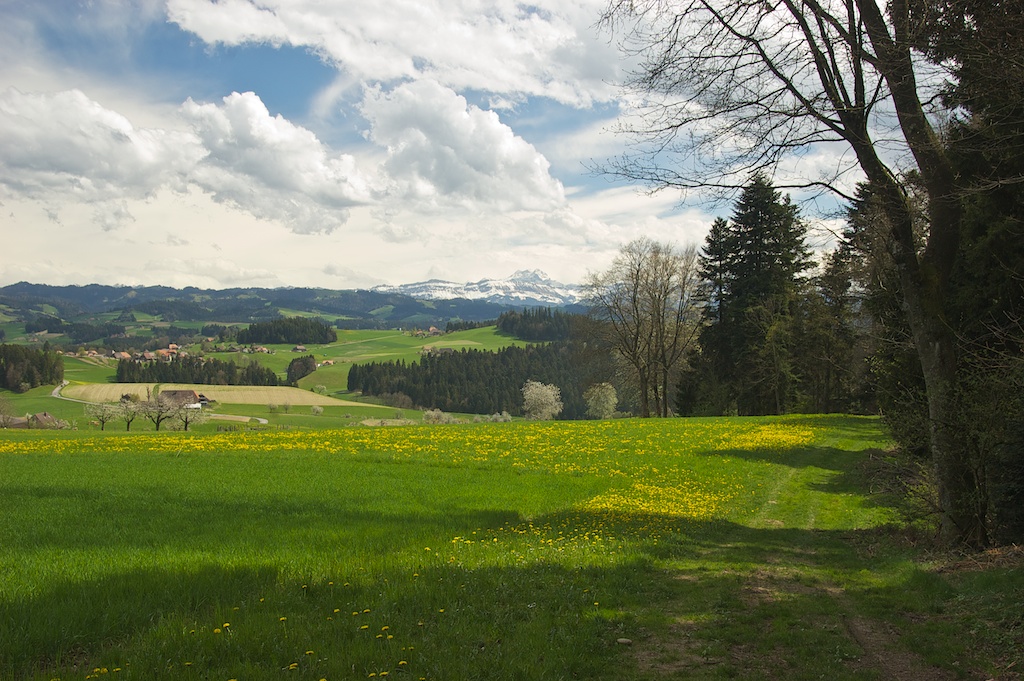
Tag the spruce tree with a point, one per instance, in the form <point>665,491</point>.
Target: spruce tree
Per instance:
<point>752,267</point>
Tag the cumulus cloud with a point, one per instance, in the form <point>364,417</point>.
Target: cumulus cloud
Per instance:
<point>63,147</point>
<point>545,48</point>
<point>271,167</point>
<point>65,144</point>
<point>442,151</point>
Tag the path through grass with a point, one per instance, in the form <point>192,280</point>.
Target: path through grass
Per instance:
<point>742,548</point>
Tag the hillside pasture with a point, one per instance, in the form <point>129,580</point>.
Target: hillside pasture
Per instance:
<point>89,369</point>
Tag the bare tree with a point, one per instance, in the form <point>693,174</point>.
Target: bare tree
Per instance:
<point>734,86</point>
<point>6,412</point>
<point>160,409</point>
<point>129,409</point>
<point>188,415</point>
<point>645,303</point>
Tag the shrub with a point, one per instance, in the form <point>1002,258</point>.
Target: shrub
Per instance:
<point>436,416</point>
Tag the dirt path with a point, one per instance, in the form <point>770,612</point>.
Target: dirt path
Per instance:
<point>844,640</point>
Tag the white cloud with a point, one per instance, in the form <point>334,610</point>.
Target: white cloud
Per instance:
<point>547,48</point>
<point>445,152</point>
<point>63,147</point>
<point>271,167</point>
<point>64,144</point>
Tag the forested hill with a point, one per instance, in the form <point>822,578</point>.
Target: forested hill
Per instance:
<point>366,309</point>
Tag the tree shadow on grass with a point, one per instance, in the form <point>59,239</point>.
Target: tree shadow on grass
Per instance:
<point>846,470</point>
<point>706,600</point>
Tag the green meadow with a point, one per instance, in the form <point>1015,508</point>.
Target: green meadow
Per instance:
<point>289,411</point>
<point>626,549</point>
<point>350,348</point>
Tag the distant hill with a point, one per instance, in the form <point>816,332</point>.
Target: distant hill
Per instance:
<point>356,308</point>
<point>525,288</point>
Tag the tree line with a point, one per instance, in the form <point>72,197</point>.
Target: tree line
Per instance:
<point>288,330</point>
<point>77,332</point>
<point>23,368</point>
<point>483,382</point>
<point>193,369</point>
<point>536,324</point>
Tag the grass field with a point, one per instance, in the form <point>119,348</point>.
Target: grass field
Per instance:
<point>351,347</point>
<point>633,549</point>
<point>91,379</point>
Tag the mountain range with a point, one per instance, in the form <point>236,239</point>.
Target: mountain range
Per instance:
<point>524,288</point>
<point>425,303</point>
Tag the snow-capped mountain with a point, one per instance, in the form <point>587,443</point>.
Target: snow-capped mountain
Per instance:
<point>525,287</point>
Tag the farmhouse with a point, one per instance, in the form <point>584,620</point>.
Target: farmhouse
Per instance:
<point>41,420</point>
<point>188,398</point>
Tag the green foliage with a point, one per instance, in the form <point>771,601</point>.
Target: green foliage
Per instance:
<point>601,400</point>
<point>477,382</point>
<point>220,332</point>
<point>299,368</point>
<point>23,368</point>
<point>537,324</point>
<point>752,268</point>
<point>290,330</point>
<point>77,332</point>
<point>194,369</point>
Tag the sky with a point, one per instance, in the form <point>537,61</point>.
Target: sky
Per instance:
<point>326,143</point>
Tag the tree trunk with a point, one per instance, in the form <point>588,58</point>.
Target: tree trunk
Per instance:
<point>923,290</point>
<point>924,276</point>
<point>960,490</point>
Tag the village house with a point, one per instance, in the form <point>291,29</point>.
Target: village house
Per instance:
<point>190,399</point>
<point>42,420</point>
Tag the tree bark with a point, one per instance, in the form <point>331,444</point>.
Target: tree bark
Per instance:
<point>924,278</point>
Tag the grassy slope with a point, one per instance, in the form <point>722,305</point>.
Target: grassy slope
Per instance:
<point>738,548</point>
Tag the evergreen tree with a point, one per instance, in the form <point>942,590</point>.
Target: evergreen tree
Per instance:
<point>752,268</point>
<point>300,367</point>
